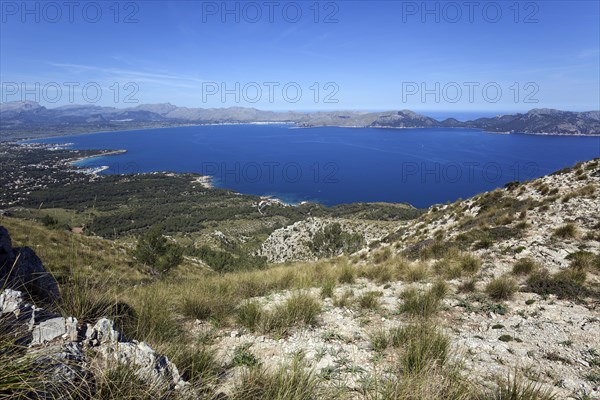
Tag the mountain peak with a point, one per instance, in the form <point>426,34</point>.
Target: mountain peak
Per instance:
<point>19,105</point>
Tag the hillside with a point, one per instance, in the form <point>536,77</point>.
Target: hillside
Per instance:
<point>19,120</point>
<point>446,306</point>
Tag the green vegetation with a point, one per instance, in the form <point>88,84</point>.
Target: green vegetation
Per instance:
<point>154,250</point>
<point>327,289</point>
<point>223,261</point>
<point>369,300</point>
<point>424,345</point>
<point>249,314</point>
<point>121,382</point>
<point>566,231</point>
<point>217,279</point>
<point>518,388</point>
<point>525,266</point>
<point>468,286</point>
<point>299,310</point>
<point>18,375</point>
<point>49,222</point>
<point>422,304</point>
<point>457,264</point>
<point>585,261</point>
<point>502,288</point>
<point>288,382</point>
<point>243,356</point>
<point>332,240</point>
<point>564,285</point>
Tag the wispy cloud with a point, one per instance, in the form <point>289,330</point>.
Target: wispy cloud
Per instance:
<point>125,74</point>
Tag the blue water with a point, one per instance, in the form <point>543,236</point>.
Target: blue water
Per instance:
<point>341,165</point>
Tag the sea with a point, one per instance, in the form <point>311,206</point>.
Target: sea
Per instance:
<point>334,165</point>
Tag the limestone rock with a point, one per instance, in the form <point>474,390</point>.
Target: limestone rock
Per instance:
<point>21,269</point>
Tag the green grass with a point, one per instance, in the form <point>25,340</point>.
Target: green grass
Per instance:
<point>345,300</point>
<point>566,231</point>
<point>421,304</point>
<point>585,261</point>
<point>327,289</point>
<point>525,266</point>
<point>369,300</point>
<point>197,364</point>
<point>249,314</point>
<point>380,273</point>
<point>457,264</point>
<point>291,382</point>
<point>299,310</point>
<point>121,382</point>
<point>517,388</point>
<point>347,274</point>
<point>468,286</point>
<point>502,288</point>
<point>564,285</point>
<point>19,377</point>
<point>423,345</point>
<point>415,272</point>
<point>380,339</point>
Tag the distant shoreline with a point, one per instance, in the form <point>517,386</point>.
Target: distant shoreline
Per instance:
<point>294,125</point>
<point>96,170</point>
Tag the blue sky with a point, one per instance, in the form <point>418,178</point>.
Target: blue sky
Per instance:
<point>360,55</point>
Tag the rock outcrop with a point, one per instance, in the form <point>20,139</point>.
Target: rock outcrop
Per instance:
<point>69,353</point>
<point>21,269</point>
<point>72,354</point>
<point>291,242</point>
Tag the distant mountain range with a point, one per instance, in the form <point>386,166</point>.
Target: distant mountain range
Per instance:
<point>30,119</point>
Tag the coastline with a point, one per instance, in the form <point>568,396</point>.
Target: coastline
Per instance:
<point>95,170</point>
<point>291,125</point>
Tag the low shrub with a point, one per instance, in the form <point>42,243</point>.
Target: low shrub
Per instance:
<point>242,356</point>
<point>369,300</point>
<point>524,266</point>
<point>121,382</point>
<point>345,300</point>
<point>327,289</point>
<point>584,261</point>
<point>346,274</point>
<point>379,273</point>
<point>421,304</point>
<point>416,272</point>
<point>332,240</point>
<point>423,345</point>
<point>154,250</point>
<point>299,310</point>
<point>517,388</point>
<point>382,255</point>
<point>561,285</point>
<point>288,382</point>
<point>470,264</point>
<point>502,288</point>
<point>468,286</point>
<point>249,314</point>
<point>566,231</point>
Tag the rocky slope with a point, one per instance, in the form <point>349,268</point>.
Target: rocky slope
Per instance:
<point>550,337</point>
<point>66,354</point>
<point>511,278</point>
<point>291,243</point>
<point>74,354</point>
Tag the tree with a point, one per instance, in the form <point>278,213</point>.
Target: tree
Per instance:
<point>333,241</point>
<point>154,250</point>
<point>48,221</point>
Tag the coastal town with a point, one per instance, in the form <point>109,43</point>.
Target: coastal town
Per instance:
<point>27,167</point>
